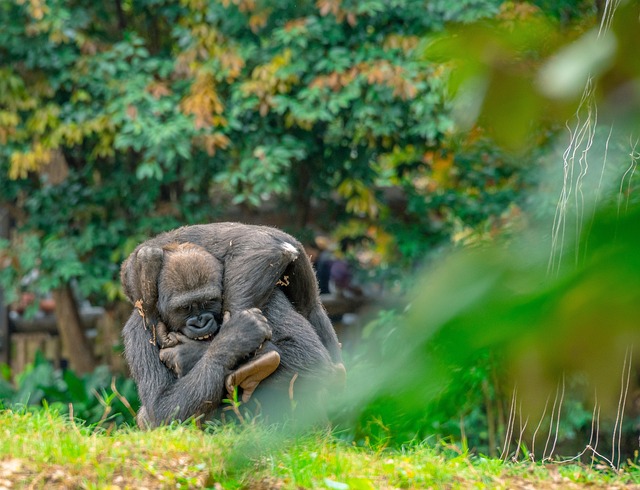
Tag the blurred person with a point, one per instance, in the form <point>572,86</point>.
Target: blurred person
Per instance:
<point>323,263</point>
<point>341,280</point>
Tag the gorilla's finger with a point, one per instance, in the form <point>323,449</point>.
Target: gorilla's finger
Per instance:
<point>340,375</point>
<point>257,312</point>
<point>166,354</point>
<point>183,339</point>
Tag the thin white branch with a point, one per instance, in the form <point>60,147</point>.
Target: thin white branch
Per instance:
<point>551,421</point>
<point>522,429</point>
<point>510,424</point>
<point>555,440</point>
<point>624,392</point>
<point>535,433</point>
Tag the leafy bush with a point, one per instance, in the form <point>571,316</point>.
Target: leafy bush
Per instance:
<point>98,398</point>
<point>185,107</point>
<point>488,336</point>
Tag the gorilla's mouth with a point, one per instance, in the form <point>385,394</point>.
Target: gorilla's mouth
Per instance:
<point>208,337</point>
<point>203,327</point>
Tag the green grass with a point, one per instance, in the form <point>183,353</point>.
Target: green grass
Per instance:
<point>40,449</point>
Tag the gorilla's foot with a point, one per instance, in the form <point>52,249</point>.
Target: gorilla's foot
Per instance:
<point>249,375</point>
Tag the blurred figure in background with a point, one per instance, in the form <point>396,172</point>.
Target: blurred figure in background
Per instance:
<point>341,273</point>
<point>341,296</point>
<point>323,262</point>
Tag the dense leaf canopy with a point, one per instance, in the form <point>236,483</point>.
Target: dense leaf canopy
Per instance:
<point>118,120</point>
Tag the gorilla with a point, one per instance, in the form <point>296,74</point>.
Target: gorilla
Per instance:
<point>184,352</point>
<point>190,303</point>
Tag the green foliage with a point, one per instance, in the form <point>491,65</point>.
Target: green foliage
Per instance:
<point>497,330</point>
<point>567,10</point>
<point>489,324</point>
<point>122,120</point>
<point>97,398</point>
<point>540,60</point>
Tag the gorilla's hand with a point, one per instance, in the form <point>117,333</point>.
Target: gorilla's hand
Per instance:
<point>241,335</point>
<point>165,338</point>
<point>181,357</point>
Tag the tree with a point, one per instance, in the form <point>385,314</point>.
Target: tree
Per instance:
<point>119,120</point>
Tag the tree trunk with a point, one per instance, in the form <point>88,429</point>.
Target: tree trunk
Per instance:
<point>74,341</point>
<point>5,348</point>
<point>302,193</point>
<point>122,20</point>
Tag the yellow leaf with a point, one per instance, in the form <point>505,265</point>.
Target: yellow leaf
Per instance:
<point>44,119</point>
<point>397,41</point>
<point>442,169</point>
<point>8,123</point>
<point>360,199</point>
<point>203,101</point>
<point>104,147</point>
<point>259,20</point>
<point>158,89</point>
<point>266,81</point>
<point>23,163</point>
<point>211,142</point>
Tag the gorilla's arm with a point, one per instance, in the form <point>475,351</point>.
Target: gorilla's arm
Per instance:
<point>255,258</point>
<point>300,287</point>
<point>151,376</point>
<point>301,350</point>
<point>165,397</point>
<point>293,338</point>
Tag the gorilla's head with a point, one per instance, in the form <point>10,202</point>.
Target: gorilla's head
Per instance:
<point>190,291</point>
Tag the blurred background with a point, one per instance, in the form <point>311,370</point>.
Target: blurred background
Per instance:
<point>462,173</point>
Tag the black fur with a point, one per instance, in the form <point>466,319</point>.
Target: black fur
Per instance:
<point>166,397</point>
<point>292,336</point>
<point>254,259</point>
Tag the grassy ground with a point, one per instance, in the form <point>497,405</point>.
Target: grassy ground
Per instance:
<point>42,450</point>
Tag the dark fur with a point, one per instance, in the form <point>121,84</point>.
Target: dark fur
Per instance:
<point>254,260</point>
<point>166,397</point>
<point>292,336</point>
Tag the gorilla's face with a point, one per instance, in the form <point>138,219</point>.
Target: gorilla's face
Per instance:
<point>190,291</point>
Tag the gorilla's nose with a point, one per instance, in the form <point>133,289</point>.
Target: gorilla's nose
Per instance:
<point>205,318</point>
<point>201,327</point>
<point>201,321</point>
